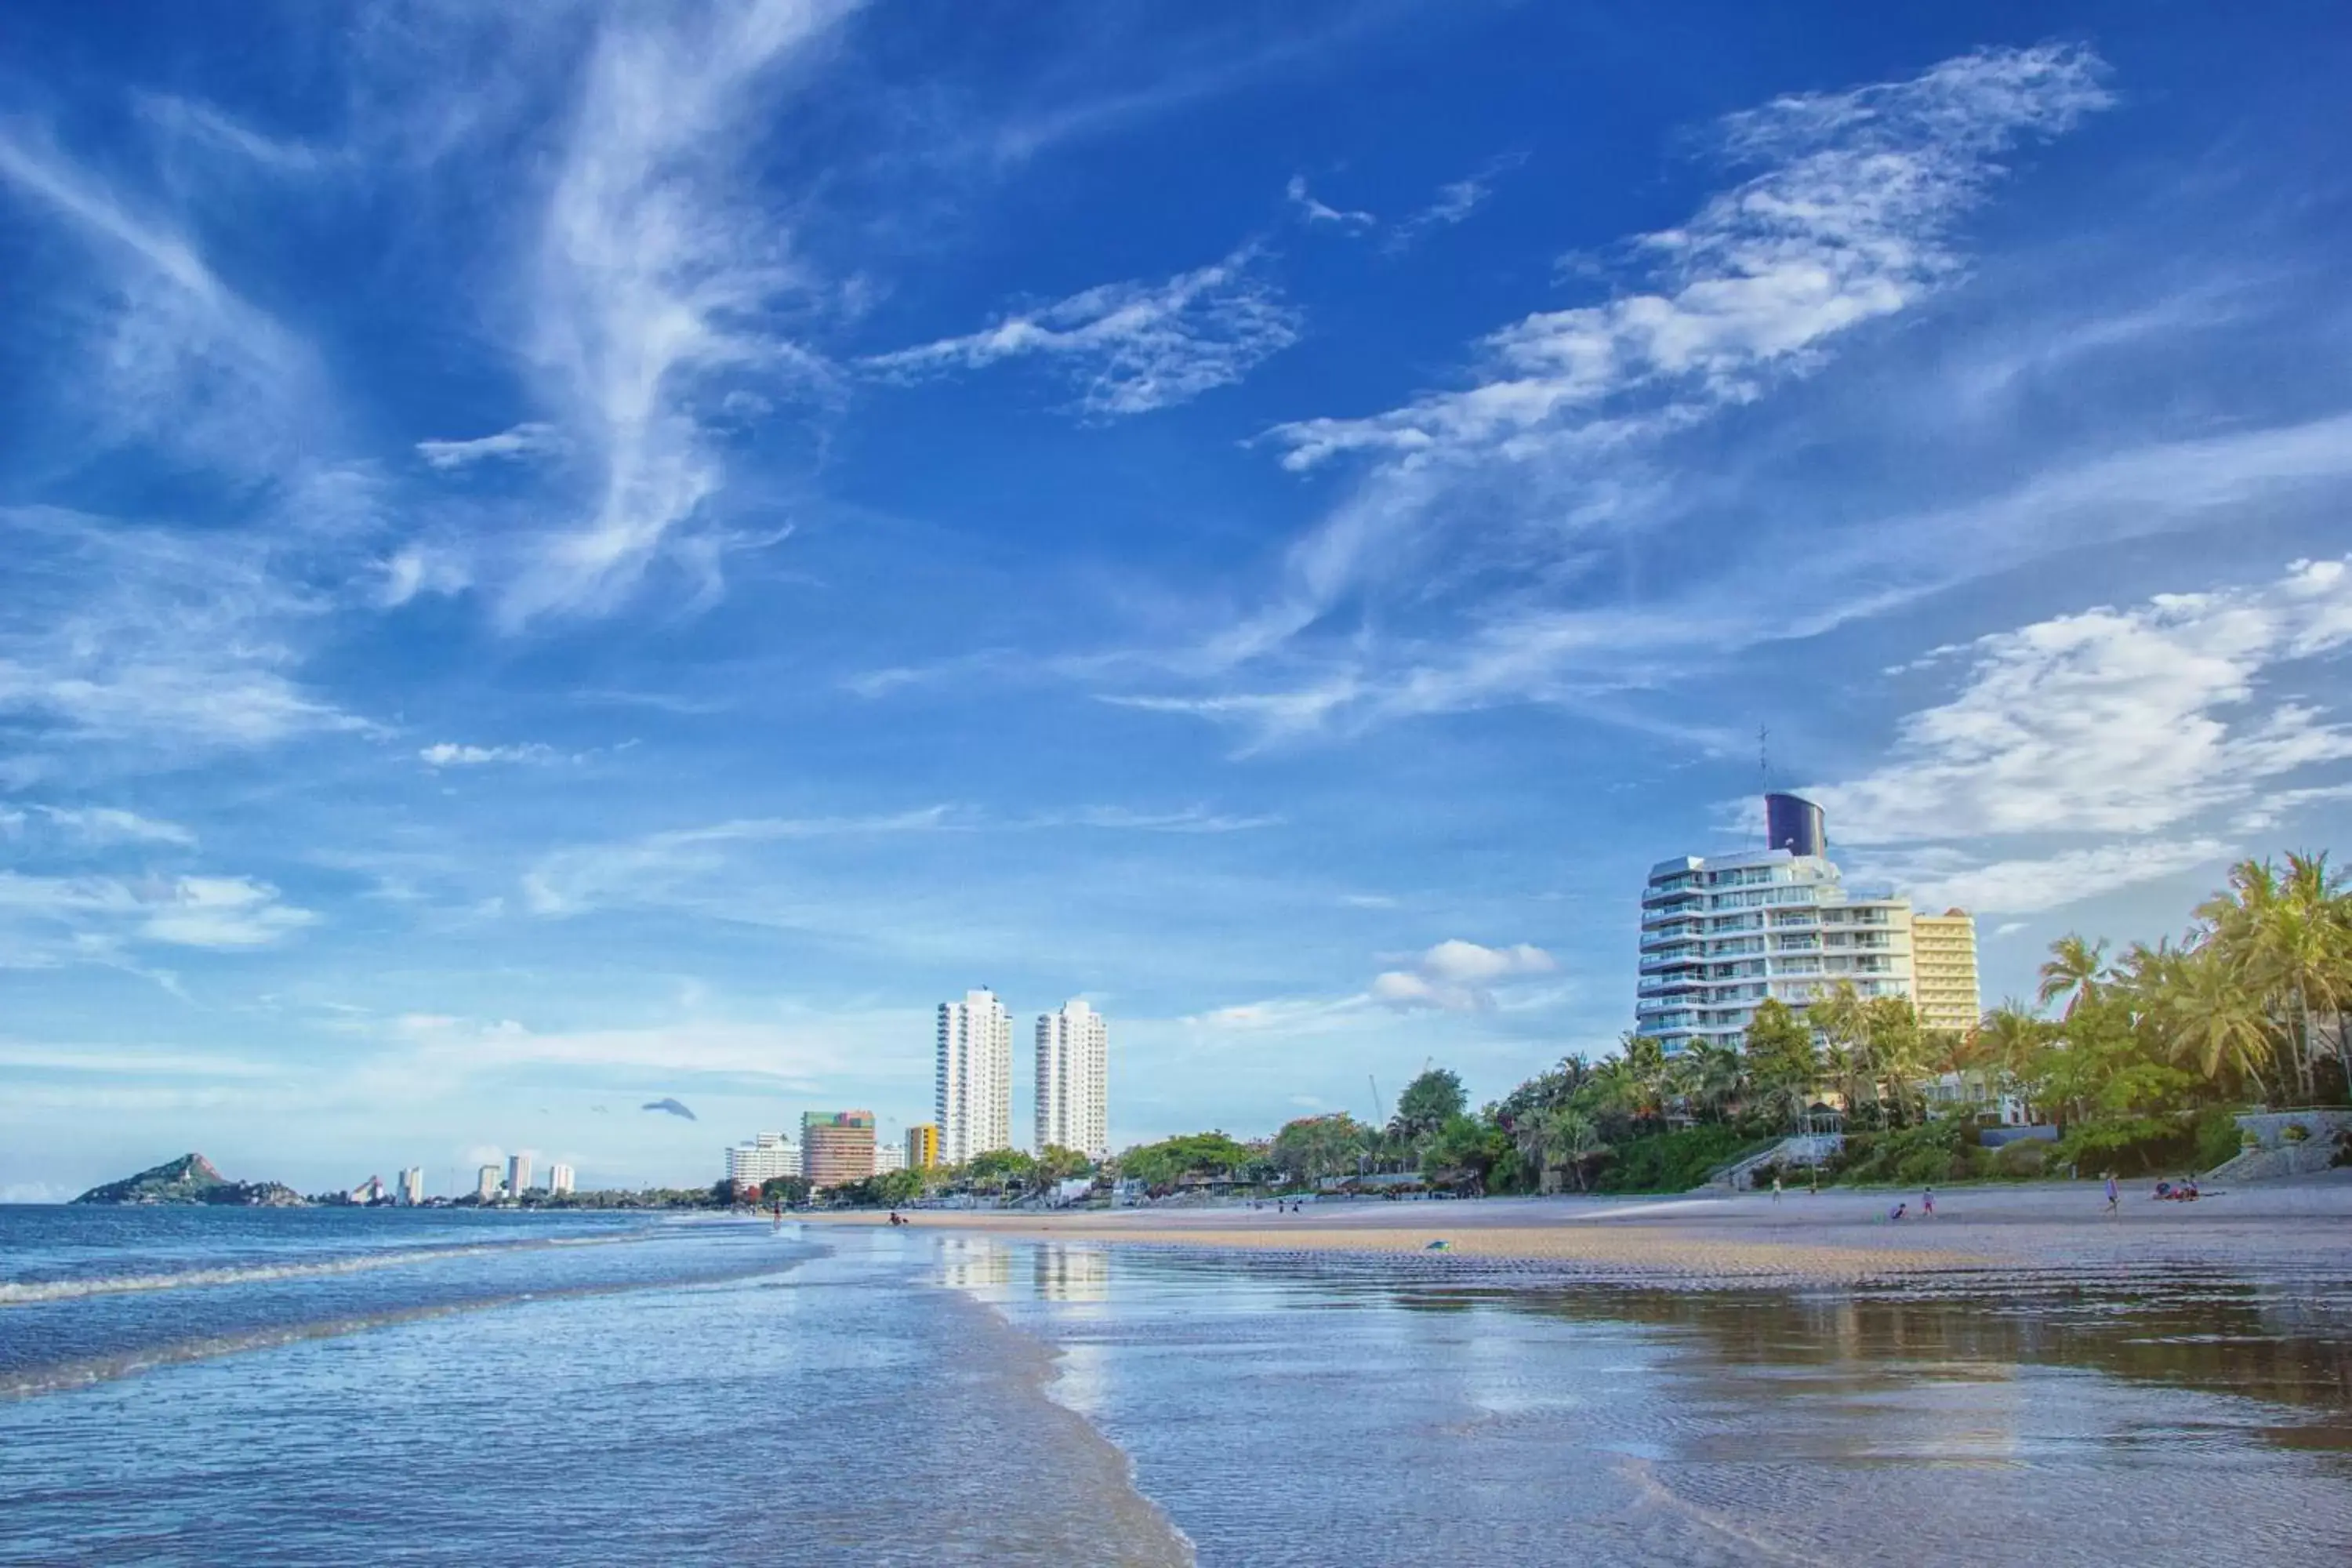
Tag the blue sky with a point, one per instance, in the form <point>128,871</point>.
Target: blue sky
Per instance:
<point>559,556</point>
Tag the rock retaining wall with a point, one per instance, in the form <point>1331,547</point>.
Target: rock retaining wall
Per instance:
<point>2275,1155</point>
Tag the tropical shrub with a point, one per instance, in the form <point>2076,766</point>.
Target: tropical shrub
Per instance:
<point>2220,1139</point>
<point>1939,1151</point>
<point>2022,1160</point>
<point>1672,1162</point>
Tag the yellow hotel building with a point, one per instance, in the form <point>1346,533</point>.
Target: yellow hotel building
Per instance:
<point>1943,971</point>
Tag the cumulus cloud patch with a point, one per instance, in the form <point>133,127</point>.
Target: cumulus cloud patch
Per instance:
<point>2135,725</point>
<point>2129,720</point>
<point>1457,976</point>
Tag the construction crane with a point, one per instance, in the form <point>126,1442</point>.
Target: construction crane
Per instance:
<point>1380,1112</point>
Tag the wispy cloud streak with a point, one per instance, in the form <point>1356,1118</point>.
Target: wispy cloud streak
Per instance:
<point>1504,480</point>
<point>1134,346</point>
<point>650,281</point>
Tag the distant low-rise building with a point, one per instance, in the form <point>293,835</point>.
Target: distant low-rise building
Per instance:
<point>486,1182</point>
<point>762,1159</point>
<point>922,1145</point>
<point>368,1191</point>
<point>559,1178</point>
<point>888,1157</point>
<point>836,1147</point>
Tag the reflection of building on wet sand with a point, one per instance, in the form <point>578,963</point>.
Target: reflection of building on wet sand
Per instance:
<point>970,1263</point>
<point>1072,1273</point>
<point>1955,1370</point>
<point>1056,1273</point>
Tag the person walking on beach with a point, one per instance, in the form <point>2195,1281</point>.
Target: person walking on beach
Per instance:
<point>2115,1199</point>
<point>1775,1186</point>
<point>1927,1204</point>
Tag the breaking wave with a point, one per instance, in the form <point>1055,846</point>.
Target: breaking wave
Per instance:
<point>28,1292</point>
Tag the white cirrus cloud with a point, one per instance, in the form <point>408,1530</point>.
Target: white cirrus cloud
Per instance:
<point>1128,819</point>
<point>453,1048</point>
<point>658,868</point>
<point>223,912</point>
<point>452,754</point>
<point>1937,878</point>
<point>530,439</point>
<point>1134,346</point>
<point>419,567</point>
<point>651,279</point>
<point>1455,201</point>
<point>1845,225</point>
<point>1477,512</point>
<point>112,824</point>
<point>175,355</point>
<point>1282,1015</point>
<point>100,913</point>
<point>1318,212</point>
<point>140,637</point>
<point>1458,976</point>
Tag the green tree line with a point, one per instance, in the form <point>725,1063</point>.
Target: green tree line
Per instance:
<point>2140,1058</point>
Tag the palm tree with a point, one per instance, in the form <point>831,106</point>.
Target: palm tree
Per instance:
<point>2073,969</point>
<point>1644,1061</point>
<point>1896,1048</point>
<point>1574,1073</point>
<point>1531,1135</point>
<point>2212,1022</point>
<point>1837,1019</point>
<point>1571,1138</point>
<point>2011,1039</point>
<point>2285,939</point>
<point>1718,1074</point>
<point>2313,952</point>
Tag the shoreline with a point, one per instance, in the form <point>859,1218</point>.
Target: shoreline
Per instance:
<point>1836,1238</point>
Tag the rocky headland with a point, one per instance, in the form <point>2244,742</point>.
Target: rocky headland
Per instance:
<point>193,1179</point>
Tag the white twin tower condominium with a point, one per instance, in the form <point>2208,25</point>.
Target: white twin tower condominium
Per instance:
<point>1073,1061</point>
<point>974,1082</point>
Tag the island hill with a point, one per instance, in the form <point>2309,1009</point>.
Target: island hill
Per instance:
<point>192,1179</point>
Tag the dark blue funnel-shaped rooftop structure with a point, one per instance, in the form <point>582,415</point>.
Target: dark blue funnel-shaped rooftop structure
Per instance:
<point>1793,822</point>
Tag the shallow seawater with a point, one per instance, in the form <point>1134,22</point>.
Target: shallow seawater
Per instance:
<point>229,1387</point>
<point>674,1394</point>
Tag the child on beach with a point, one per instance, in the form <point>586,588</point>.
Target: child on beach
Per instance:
<point>1899,1211</point>
<point>2113,1197</point>
<point>1775,1186</point>
<point>1927,1204</point>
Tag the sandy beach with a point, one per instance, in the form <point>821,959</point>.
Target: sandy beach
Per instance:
<point>1828,1238</point>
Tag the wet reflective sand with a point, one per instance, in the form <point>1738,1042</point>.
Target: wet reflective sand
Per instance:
<point>1319,1410</point>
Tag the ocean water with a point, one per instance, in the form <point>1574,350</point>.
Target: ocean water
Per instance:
<point>392,1386</point>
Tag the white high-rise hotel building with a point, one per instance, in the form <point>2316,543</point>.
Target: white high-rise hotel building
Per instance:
<point>1073,1072</point>
<point>764,1158</point>
<point>974,1083</point>
<point>1719,934</point>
